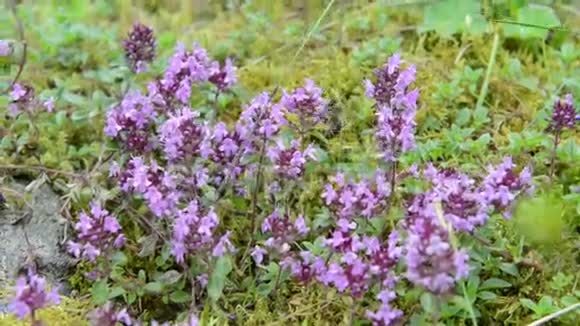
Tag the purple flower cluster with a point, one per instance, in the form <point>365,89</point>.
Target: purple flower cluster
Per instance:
<point>98,233</point>
<point>193,232</point>
<point>22,99</point>
<point>307,103</point>
<point>263,118</point>
<point>431,260</point>
<point>140,47</point>
<point>396,107</point>
<point>564,114</point>
<point>130,121</point>
<point>462,201</point>
<point>223,77</point>
<point>107,315</point>
<point>282,232</point>
<point>158,187</point>
<point>187,68</point>
<point>361,261</point>
<point>31,295</point>
<point>349,199</point>
<point>289,162</point>
<point>181,135</point>
<point>386,314</point>
<point>503,184</point>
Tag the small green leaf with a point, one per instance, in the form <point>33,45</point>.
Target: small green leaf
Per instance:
<point>428,302</point>
<point>100,292</point>
<point>179,296</point>
<point>486,295</point>
<point>542,17</point>
<point>494,283</point>
<point>170,277</point>
<point>218,278</point>
<point>510,268</point>
<point>154,287</point>
<point>142,276</point>
<point>148,245</point>
<point>528,304</point>
<point>116,291</point>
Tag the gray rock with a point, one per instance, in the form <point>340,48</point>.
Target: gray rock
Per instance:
<point>42,223</point>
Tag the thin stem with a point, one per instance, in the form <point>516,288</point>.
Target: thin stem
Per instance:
<point>553,157</point>
<point>490,64</point>
<point>256,189</point>
<point>314,27</point>
<point>278,276</point>
<point>469,305</point>
<point>22,63</point>
<point>555,315</point>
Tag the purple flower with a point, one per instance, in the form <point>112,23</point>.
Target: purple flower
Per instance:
<point>353,199</point>
<point>305,267</point>
<point>107,315</point>
<point>430,258</point>
<point>503,184</point>
<point>462,202</point>
<point>139,47</point>
<point>564,114</point>
<point>49,104</point>
<point>21,99</point>
<point>289,162</point>
<point>5,48</point>
<point>181,135</point>
<point>386,315</point>
<point>396,108</point>
<point>283,231</point>
<point>307,103</point>
<point>194,231</point>
<point>32,295</point>
<point>184,69</point>
<point>261,118</point>
<point>131,120</point>
<point>258,254</point>
<point>223,77</point>
<point>98,233</point>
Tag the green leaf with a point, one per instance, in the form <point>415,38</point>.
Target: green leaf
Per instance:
<point>528,304</point>
<point>428,302</point>
<point>495,283</point>
<point>119,258</point>
<point>486,295</point>
<point>543,17</point>
<point>218,278</point>
<point>179,296</point>
<point>142,276</point>
<point>154,287</point>
<point>148,245</point>
<point>170,277</point>
<point>449,17</point>
<point>116,291</point>
<point>510,268</point>
<point>100,292</point>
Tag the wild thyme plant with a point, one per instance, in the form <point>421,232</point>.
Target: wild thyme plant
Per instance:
<point>184,165</point>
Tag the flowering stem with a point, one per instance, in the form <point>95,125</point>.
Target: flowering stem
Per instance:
<point>256,189</point>
<point>278,276</point>
<point>553,156</point>
<point>468,305</point>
